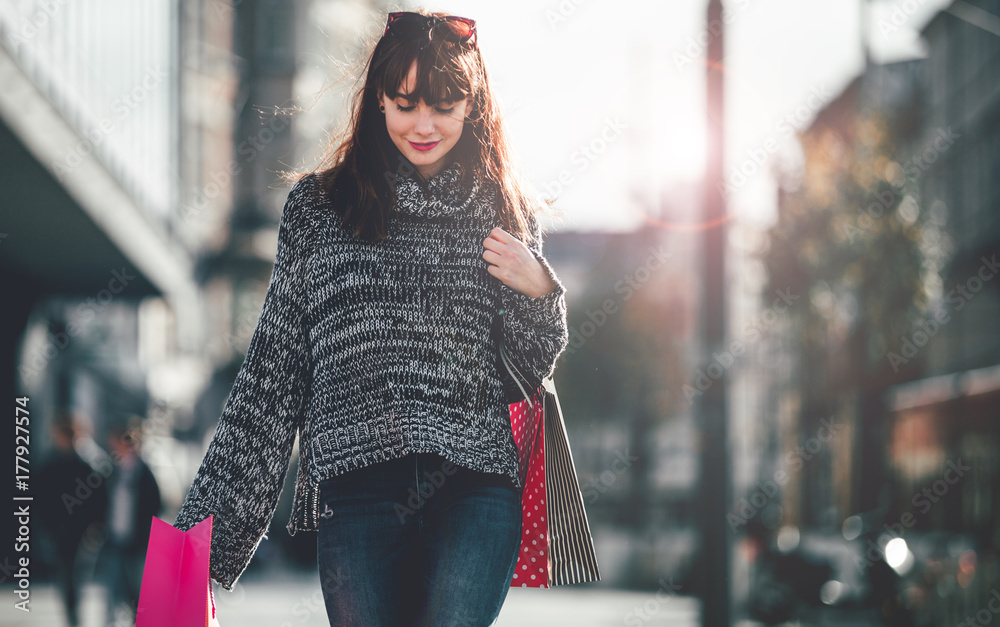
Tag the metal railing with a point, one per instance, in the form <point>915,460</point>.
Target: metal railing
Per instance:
<point>109,67</point>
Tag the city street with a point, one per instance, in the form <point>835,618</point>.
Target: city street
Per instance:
<point>302,266</point>
<point>295,600</point>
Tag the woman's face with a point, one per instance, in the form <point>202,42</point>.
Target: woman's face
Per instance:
<point>425,135</point>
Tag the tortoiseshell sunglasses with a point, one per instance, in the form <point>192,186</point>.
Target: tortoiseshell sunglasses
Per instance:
<point>450,28</point>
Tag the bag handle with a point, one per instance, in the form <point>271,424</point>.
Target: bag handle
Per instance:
<point>211,620</point>
<point>510,369</point>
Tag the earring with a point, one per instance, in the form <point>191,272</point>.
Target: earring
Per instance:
<point>381,108</point>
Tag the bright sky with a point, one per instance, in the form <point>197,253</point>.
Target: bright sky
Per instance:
<point>627,81</point>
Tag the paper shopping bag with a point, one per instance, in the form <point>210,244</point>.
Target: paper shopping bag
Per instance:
<point>175,577</point>
<point>572,558</point>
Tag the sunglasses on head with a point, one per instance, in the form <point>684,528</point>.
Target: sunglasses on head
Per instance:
<point>451,28</point>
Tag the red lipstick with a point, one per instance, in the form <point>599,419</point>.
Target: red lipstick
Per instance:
<point>424,147</point>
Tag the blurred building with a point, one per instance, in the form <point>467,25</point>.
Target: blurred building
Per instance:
<point>949,412</point>
<point>88,134</point>
<point>916,455</point>
<point>88,188</point>
<point>141,147</point>
<point>945,418</point>
<point>846,478</point>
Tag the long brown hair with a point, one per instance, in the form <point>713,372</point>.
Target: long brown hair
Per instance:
<point>358,168</point>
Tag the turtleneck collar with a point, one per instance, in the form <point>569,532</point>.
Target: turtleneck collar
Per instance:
<point>440,195</point>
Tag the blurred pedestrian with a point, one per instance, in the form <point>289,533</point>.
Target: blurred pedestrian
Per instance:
<point>133,500</point>
<point>70,500</point>
<point>400,268</point>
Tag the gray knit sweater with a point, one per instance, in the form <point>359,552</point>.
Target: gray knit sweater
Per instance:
<point>367,352</point>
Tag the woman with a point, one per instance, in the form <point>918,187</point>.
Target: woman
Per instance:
<point>400,268</point>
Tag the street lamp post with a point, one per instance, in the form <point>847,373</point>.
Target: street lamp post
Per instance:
<point>712,411</point>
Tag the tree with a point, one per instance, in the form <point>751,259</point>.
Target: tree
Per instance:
<point>848,239</point>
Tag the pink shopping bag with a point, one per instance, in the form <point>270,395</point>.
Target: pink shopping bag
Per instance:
<point>175,577</point>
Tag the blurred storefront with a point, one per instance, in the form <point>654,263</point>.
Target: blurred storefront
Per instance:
<point>944,449</point>
<point>141,147</point>
<point>910,479</point>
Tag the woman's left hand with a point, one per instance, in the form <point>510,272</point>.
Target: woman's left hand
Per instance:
<point>513,263</point>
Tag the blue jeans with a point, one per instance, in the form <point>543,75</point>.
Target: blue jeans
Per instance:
<point>417,541</point>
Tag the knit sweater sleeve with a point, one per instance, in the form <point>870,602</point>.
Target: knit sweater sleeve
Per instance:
<point>243,471</point>
<point>535,330</point>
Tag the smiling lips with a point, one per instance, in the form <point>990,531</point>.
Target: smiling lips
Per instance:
<point>424,147</point>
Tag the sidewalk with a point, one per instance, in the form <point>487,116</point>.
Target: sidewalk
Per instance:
<point>294,600</point>
<point>595,607</point>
